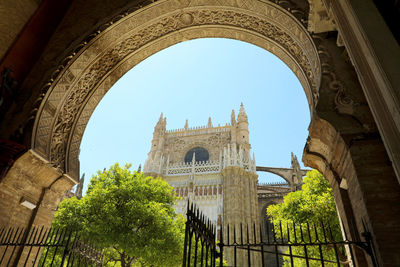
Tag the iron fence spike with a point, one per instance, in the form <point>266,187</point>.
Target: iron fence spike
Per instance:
<point>254,233</point>
<point>309,233</point>
<point>241,233</point>
<point>227,230</point>
<point>301,233</point>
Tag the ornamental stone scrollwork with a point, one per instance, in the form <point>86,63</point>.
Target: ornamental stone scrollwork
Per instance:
<point>57,73</point>
<point>344,104</point>
<point>166,25</point>
<point>299,9</point>
<point>73,85</point>
<point>341,94</point>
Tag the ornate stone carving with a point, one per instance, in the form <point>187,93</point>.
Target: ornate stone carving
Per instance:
<point>299,9</point>
<point>343,103</point>
<point>72,87</point>
<point>112,57</point>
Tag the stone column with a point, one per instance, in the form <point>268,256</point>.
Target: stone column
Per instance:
<point>240,208</point>
<point>375,54</point>
<point>364,185</point>
<point>33,180</point>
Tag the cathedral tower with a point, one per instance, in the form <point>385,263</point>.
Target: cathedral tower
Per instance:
<point>212,166</point>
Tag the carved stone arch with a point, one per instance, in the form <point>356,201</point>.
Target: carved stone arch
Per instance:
<point>327,152</point>
<point>266,204</point>
<point>341,114</point>
<point>78,88</point>
<point>266,225</point>
<point>263,210</point>
<point>191,146</point>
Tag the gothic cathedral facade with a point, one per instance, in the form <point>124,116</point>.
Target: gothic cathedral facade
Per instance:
<point>211,166</point>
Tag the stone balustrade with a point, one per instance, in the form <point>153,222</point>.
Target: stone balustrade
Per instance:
<point>198,167</point>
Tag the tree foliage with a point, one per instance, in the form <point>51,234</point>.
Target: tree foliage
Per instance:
<point>129,214</point>
<point>313,204</point>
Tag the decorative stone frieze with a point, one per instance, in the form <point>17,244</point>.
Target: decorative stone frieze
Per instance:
<point>89,73</point>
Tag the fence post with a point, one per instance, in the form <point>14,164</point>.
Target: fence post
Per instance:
<point>186,236</point>
<point>221,246</point>
<point>66,249</point>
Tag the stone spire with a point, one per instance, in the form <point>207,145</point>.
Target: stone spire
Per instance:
<point>242,116</point>
<point>157,143</point>
<point>187,124</point>
<point>295,162</point>
<point>242,134</point>
<point>161,124</point>
<point>209,122</point>
<point>79,188</point>
<point>297,175</point>
<point>233,118</point>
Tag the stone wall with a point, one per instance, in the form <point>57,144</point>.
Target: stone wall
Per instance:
<point>240,208</point>
<point>14,15</point>
<point>31,179</point>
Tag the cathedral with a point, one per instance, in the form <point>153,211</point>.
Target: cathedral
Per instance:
<point>210,166</point>
<point>59,58</point>
<point>213,168</point>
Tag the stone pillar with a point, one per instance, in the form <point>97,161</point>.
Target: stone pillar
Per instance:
<point>33,180</point>
<point>240,208</point>
<point>364,185</point>
<point>375,55</point>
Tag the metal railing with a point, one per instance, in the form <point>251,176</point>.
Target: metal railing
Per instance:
<point>307,244</point>
<point>46,247</point>
<point>204,233</point>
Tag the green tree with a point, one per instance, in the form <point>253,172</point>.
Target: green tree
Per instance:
<point>129,214</point>
<point>313,204</point>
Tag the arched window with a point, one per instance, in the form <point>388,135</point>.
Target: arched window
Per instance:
<point>200,154</point>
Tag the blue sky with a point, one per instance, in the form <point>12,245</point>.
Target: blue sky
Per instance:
<point>195,80</point>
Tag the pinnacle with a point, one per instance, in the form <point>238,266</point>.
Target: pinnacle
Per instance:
<point>241,107</point>
<point>242,116</point>
<point>162,122</point>
<point>233,118</point>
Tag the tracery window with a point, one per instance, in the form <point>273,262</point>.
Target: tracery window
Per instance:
<point>201,154</point>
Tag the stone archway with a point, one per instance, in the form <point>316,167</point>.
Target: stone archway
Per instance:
<point>79,87</point>
<point>344,143</point>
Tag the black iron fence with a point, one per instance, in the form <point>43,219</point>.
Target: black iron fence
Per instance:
<point>46,247</point>
<point>205,245</point>
<point>269,245</point>
<point>200,240</point>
